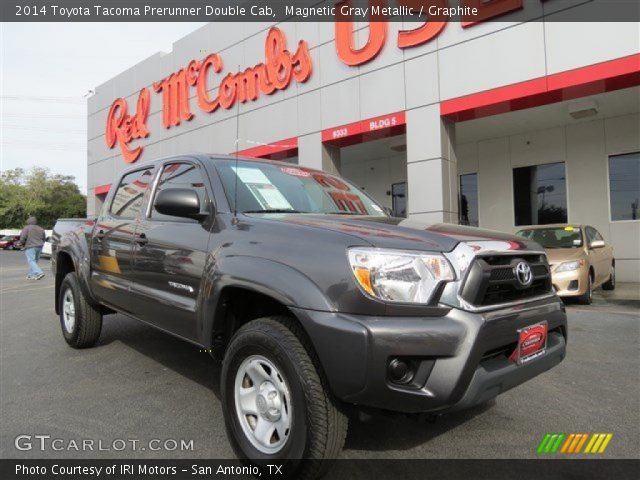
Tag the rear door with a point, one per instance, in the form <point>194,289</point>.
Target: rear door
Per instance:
<point>111,245</point>
<point>170,254</point>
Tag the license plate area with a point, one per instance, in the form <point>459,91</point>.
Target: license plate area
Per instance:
<point>532,343</point>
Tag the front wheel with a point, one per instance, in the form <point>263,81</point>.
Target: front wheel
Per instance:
<point>81,323</point>
<point>587,297</point>
<point>611,283</point>
<point>277,409</point>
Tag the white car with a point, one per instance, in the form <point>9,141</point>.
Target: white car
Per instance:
<point>46,248</point>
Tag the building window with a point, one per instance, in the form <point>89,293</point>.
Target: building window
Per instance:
<point>468,206</point>
<point>399,199</point>
<point>540,194</point>
<point>624,186</point>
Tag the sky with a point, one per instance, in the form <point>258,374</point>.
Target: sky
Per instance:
<point>47,71</point>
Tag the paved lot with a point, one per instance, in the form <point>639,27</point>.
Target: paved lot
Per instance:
<point>142,384</point>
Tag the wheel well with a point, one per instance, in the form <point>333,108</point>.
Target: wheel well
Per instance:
<point>64,265</point>
<point>238,306</point>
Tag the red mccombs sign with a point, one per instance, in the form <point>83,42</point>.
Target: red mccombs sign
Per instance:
<point>279,69</point>
<point>277,72</point>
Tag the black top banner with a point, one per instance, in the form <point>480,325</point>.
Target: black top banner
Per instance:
<point>466,11</point>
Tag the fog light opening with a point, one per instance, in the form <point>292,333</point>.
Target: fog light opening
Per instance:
<point>400,371</point>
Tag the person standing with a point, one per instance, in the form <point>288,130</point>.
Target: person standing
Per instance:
<point>32,238</point>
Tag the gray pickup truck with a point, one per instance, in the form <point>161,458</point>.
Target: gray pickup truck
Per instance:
<point>311,296</point>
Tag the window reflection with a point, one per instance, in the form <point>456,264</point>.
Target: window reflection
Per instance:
<point>540,194</point>
<point>468,207</point>
<point>624,186</point>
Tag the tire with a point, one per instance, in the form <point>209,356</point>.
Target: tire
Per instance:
<point>587,297</point>
<point>611,283</point>
<point>81,325</point>
<point>317,428</point>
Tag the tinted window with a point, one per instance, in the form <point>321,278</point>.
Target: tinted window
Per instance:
<point>554,237</point>
<point>624,186</point>
<point>593,234</point>
<point>468,207</point>
<point>540,194</point>
<point>127,201</point>
<point>181,175</point>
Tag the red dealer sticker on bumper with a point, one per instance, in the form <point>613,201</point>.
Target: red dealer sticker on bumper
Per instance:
<point>532,342</point>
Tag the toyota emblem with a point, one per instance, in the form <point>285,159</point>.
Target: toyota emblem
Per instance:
<point>523,274</point>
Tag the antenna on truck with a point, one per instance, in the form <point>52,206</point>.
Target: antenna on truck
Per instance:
<point>235,188</point>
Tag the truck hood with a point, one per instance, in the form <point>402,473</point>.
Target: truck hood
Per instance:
<point>559,255</point>
<point>400,233</point>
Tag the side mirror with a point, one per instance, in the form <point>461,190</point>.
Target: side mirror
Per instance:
<point>597,244</point>
<point>178,202</point>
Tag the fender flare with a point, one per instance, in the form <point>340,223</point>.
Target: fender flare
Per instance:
<point>79,255</point>
<point>292,289</point>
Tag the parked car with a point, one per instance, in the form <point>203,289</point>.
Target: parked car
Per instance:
<point>579,257</point>
<point>46,248</point>
<point>310,295</point>
<point>10,242</point>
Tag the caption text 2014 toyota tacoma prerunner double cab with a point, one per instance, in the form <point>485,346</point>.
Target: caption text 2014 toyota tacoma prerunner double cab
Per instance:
<point>311,296</point>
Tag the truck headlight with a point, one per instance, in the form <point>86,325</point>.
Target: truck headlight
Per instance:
<point>398,275</point>
<point>570,266</point>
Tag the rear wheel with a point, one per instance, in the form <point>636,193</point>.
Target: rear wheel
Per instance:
<point>277,409</point>
<point>81,323</point>
<point>587,297</point>
<point>611,283</point>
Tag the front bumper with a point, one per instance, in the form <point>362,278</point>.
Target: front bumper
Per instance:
<point>461,358</point>
<point>571,284</point>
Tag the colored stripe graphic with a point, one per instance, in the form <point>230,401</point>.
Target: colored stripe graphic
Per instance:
<point>572,443</point>
<point>551,442</point>
<point>598,443</point>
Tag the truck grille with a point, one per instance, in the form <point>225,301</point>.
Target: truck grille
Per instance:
<point>492,280</point>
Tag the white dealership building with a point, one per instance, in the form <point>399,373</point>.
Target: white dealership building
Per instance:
<point>520,119</point>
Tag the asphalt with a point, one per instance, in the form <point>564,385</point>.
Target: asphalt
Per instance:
<point>141,384</point>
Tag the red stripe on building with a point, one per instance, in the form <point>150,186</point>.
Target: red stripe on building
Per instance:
<point>102,189</point>
<point>599,78</point>
<point>382,126</point>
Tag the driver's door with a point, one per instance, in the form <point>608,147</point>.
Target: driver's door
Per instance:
<point>170,254</point>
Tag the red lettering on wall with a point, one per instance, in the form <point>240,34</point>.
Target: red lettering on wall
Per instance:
<point>488,9</point>
<point>279,69</point>
<point>276,73</point>
<point>429,30</point>
<point>204,102</point>
<point>345,44</point>
<point>124,128</point>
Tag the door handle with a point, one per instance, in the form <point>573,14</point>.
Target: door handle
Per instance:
<point>142,239</point>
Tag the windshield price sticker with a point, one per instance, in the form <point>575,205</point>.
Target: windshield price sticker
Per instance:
<point>265,192</point>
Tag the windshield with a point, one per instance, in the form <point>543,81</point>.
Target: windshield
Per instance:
<point>557,237</point>
<point>268,188</point>
<point>6,238</point>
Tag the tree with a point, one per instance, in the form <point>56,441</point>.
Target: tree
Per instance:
<point>39,193</point>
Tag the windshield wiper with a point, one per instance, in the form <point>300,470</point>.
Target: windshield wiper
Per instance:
<point>343,213</point>
<point>274,210</point>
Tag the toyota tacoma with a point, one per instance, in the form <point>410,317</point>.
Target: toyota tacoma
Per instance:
<point>310,295</point>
